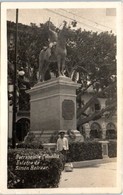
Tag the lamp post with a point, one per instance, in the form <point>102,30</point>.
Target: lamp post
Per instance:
<point>15,87</point>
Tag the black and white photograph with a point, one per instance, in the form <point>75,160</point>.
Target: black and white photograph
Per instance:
<point>61,72</point>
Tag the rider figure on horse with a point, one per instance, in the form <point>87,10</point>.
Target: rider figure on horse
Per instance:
<point>53,37</point>
<point>52,40</point>
<point>55,51</point>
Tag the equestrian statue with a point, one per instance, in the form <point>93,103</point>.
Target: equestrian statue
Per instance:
<point>56,51</point>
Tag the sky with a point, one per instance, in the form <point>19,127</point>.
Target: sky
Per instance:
<point>94,19</point>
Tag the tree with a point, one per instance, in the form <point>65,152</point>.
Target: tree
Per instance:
<point>93,55</point>
<point>90,54</point>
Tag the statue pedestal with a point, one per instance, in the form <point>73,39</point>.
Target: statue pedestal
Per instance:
<point>53,107</point>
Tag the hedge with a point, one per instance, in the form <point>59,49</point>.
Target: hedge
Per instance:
<point>32,145</point>
<point>33,168</point>
<point>84,151</point>
<point>112,149</point>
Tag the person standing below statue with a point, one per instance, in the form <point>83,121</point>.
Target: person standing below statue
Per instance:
<point>62,146</point>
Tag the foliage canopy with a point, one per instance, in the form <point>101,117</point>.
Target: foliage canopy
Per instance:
<point>90,54</point>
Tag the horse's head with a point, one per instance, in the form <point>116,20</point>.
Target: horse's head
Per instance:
<point>66,32</point>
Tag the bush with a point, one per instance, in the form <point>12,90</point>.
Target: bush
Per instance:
<point>112,149</point>
<point>30,142</point>
<point>32,145</point>
<point>84,151</point>
<point>33,168</point>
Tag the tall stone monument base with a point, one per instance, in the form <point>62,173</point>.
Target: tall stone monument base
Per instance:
<point>53,108</point>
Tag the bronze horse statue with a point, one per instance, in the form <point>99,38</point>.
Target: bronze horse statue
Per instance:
<point>55,52</point>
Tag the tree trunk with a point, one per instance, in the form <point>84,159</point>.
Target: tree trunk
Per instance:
<point>82,110</point>
<point>98,114</point>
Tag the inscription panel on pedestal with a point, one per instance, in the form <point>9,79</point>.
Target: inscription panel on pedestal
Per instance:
<point>68,109</point>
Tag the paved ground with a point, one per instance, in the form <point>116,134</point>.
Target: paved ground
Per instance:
<point>102,175</point>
